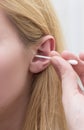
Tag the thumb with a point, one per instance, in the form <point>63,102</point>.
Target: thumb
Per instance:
<point>67,74</point>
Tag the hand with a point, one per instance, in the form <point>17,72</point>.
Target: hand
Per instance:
<point>72,96</point>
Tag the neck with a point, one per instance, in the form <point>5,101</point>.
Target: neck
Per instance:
<point>12,118</point>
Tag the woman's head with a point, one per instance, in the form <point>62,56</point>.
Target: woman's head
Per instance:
<point>30,27</point>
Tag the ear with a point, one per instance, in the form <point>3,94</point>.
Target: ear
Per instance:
<point>46,45</point>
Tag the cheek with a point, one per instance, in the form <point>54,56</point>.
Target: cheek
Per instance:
<point>13,73</point>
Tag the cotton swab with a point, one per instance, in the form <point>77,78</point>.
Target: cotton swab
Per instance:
<point>73,62</point>
<point>80,84</point>
<point>44,57</point>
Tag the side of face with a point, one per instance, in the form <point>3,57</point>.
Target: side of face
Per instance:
<point>13,62</point>
<point>17,64</point>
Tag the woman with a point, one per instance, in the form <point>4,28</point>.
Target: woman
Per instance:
<point>30,88</point>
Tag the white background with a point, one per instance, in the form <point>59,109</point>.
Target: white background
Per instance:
<point>70,13</point>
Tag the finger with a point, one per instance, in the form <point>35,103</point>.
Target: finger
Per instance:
<point>68,55</point>
<point>54,53</point>
<point>79,68</point>
<point>81,55</point>
<point>67,74</point>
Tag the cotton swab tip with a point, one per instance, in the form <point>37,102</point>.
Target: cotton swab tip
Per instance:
<point>73,62</point>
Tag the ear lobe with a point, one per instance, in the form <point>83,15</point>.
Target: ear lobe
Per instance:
<point>39,65</point>
<point>45,47</point>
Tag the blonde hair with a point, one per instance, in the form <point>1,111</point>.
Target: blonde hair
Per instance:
<point>35,19</point>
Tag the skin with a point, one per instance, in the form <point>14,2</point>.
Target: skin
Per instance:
<point>14,76</point>
<point>72,96</point>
